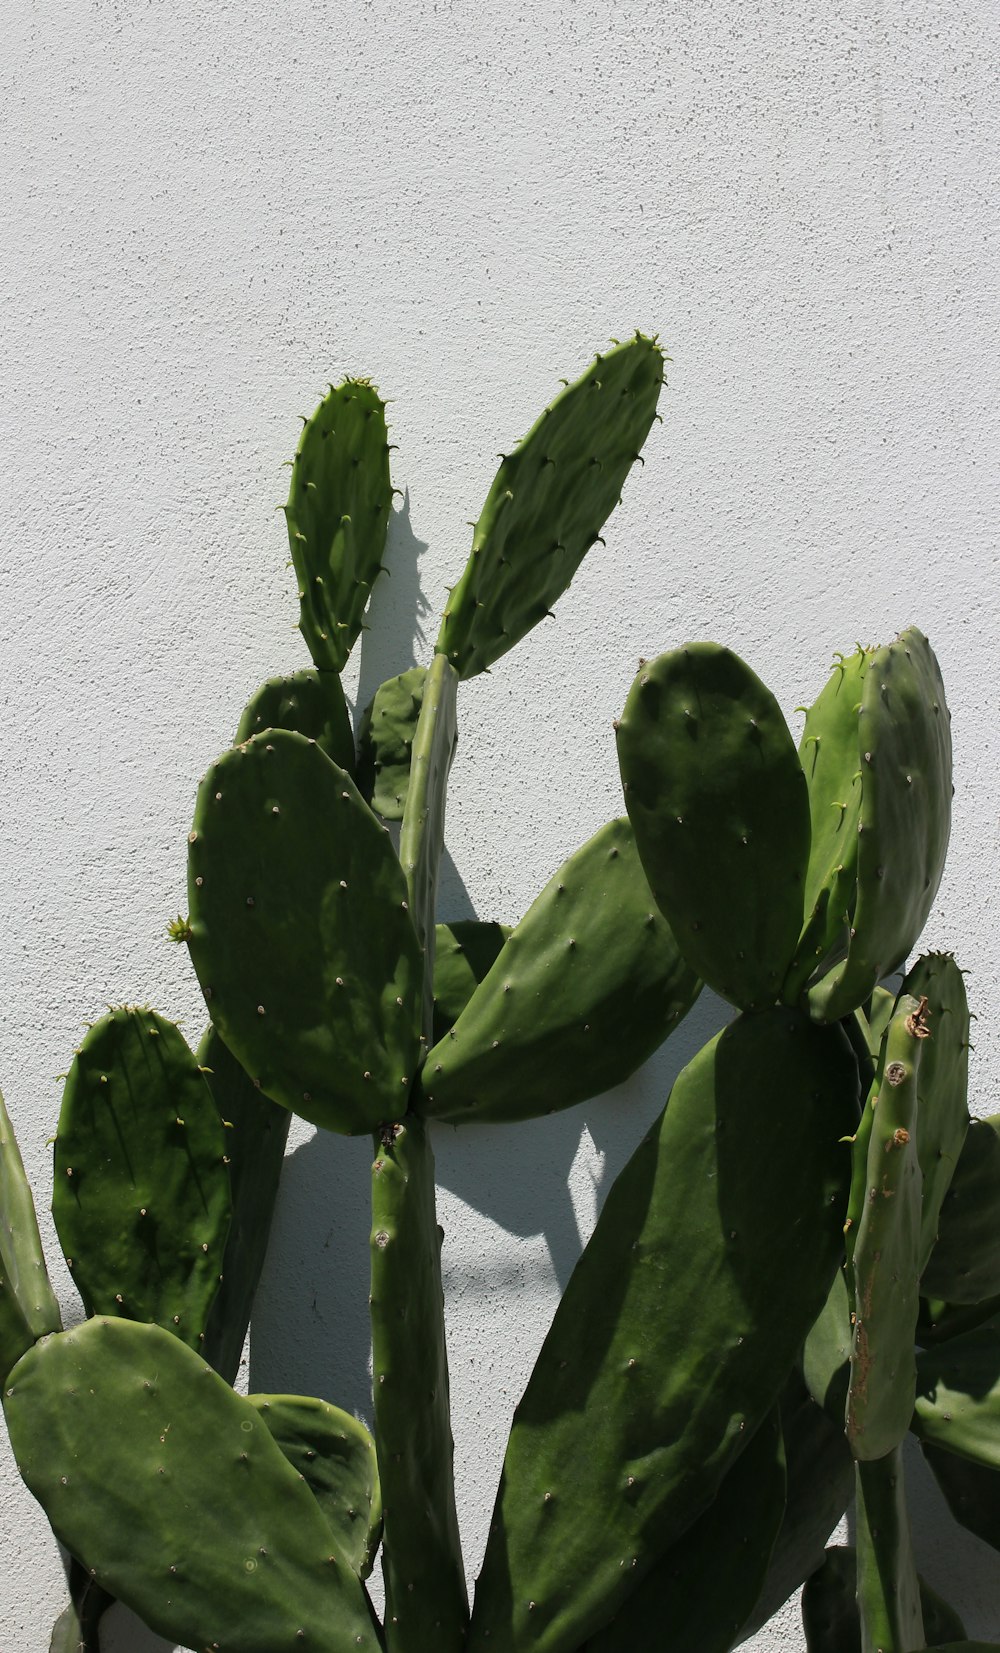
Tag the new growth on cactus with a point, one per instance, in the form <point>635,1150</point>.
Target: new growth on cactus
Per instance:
<point>798,1266</point>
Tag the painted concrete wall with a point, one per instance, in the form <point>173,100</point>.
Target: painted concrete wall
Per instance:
<point>211,210</point>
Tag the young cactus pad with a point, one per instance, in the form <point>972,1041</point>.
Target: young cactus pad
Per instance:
<point>548,503</point>
<point>338,515</point>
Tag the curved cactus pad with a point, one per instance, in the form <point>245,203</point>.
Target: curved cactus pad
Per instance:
<point>256,1133</point>
<point>904,758</point>
<point>830,762</point>
<point>548,503</point>
<point>170,1488</point>
<point>301,935</point>
<point>586,987</point>
<point>141,1195</point>
<point>942,1089</point>
<point>958,1396</point>
<point>335,1455</point>
<point>972,1492</point>
<point>385,741</point>
<point>964,1267</point>
<point>310,703</point>
<point>620,1441</point>
<point>687,1600</point>
<point>338,515</point>
<point>718,802</point>
<point>22,1261</point>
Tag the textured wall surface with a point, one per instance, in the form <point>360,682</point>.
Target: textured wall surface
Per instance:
<point>211,210</point>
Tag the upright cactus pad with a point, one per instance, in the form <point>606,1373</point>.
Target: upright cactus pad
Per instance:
<point>942,1085</point>
<point>464,954</point>
<point>621,1438</point>
<point>338,515</point>
<point>21,1260</point>
<point>548,504</point>
<point>141,1195</point>
<point>719,807</point>
<point>585,988</point>
<point>301,934</point>
<point>904,759</point>
<point>335,1455</point>
<point>169,1487</point>
<point>964,1266</point>
<point>309,703</point>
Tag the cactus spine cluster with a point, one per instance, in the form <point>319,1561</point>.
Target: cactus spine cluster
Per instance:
<point>798,1266</point>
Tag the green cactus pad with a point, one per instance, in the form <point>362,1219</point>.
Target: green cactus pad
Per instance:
<point>464,954</point>
<point>719,806</point>
<point>620,1442</point>
<point>587,986</point>
<point>15,1336</point>
<point>685,1601</point>
<point>888,1587</point>
<point>169,1487</point>
<point>904,758</point>
<point>421,836</point>
<point>256,1132</point>
<point>939,1321</point>
<point>972,1492</point>
<point>958,1396</point>
<point>335,1455</point>
<point>964,1266</point>
<point>385,741</point>
<point>548,503</point>
<point>77,1629</point>
<point>826,1357</point>
<point>310,703</point>
<point>141,1195</point>
<point>21,1258</point>
<point>828,753</point>
<point>820,1483</point>
<point>337,516</point>
<point>301,935</point>
<point>830,1615</point>
<point>426,1602</point>
<point>886,1259</point>
<point>942,1090</point>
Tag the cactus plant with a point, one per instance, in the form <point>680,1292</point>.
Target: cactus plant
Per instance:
<point>796,1267</point>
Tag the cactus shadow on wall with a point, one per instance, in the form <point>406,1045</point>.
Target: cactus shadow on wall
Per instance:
<point>397,610</point>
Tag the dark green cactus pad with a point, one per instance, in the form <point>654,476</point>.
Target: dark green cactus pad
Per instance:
<point>888,1589</point>
<point>958,1396</point>
<point>620,1442</point>
<point>22,1262</point>
<point>587,986</point>
<point>939,1322</point>
<point>964,1266</point>
<point>885,1270</point>
<point>385,741</point>
<point>686,1601</point>
<point>549,500</point>
<point>301,935</point>
<point>256,1132</point>
<point>942,1090</point>
<point>426,1602</point>
<point>904,735</point>
<point>169,1487</point>
<point>77,1629</point>
<point>141,1195</point>
<point>464,953</point>
<point>15,1336</point>
<point>310,703</point>
<point>830,1615</point>
<point>828,753</point>
<point>719,806</point>
<point>972,1492</point>
<point>335,1455</point>
<point>819,1485</point>
<point>338,516</point>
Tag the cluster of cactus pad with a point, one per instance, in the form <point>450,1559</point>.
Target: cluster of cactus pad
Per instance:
<point>799,1265</point>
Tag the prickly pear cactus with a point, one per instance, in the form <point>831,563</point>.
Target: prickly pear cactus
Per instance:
<point>797,1267</point>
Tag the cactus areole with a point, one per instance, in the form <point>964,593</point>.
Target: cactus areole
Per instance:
<point>797,1267</point>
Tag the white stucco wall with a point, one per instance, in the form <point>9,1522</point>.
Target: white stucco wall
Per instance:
<point>208,212</point>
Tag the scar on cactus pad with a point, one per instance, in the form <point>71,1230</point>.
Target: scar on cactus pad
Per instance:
<point>796,1268</point>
